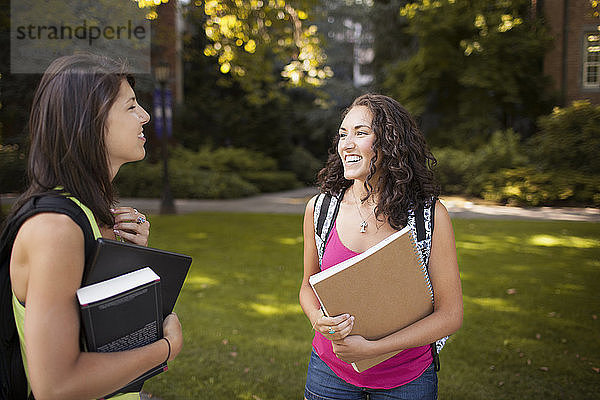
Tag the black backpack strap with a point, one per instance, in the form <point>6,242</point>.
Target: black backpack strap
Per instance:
<point>433,214</point>
<point>434,346</point>
<point>422,235</point>
<point>436,357</point>
<point>13,383</point>
<point>420,223</point>
<point>323,200</point>
<point>326,210</point>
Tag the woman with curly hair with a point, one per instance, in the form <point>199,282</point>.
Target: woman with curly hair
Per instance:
<point>379,175</point>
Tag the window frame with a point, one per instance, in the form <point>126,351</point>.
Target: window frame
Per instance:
<point>586,64</point>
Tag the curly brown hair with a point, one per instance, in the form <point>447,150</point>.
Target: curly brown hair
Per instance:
<point>405,180</point>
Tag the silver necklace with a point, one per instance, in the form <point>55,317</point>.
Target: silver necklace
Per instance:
<point>363,224</point>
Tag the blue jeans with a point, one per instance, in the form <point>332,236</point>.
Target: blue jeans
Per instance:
<point>323,384</point>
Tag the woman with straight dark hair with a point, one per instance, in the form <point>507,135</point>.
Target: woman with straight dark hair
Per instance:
<point>377,181</point>
<point>85,123</point>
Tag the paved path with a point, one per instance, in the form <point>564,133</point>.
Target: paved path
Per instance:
<point>461,208</point>
<point>294,201</point>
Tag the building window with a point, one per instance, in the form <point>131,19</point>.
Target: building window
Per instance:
<point>591,61</point>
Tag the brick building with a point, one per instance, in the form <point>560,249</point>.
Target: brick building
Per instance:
<point>574,60</point>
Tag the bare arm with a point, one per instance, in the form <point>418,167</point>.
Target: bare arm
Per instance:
<point>448,311</point>
<point>341,324</point>
<point>48,258</point>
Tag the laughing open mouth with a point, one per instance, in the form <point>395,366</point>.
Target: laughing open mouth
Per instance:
<point>352,158</point>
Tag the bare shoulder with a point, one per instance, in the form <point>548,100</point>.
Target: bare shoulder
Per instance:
<point>48,248</point>
<point>309,213</point>
<point>53,227</point>
<point>46,236</point>
<point>443,224</point>
<point>310,206</point>
<point>441,212</point>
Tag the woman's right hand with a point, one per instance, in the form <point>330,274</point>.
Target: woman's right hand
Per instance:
<point>172,332</point>
<point>341,325</point>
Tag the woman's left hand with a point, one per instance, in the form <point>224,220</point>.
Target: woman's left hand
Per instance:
<point>353,348</point>
<point>131,225</point>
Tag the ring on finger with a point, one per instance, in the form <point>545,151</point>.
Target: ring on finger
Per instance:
<point>331,331</point>
<point>140,220</point>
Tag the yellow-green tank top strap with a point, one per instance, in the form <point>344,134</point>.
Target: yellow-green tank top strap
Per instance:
<point>89,215</point>
<point>127,396</point>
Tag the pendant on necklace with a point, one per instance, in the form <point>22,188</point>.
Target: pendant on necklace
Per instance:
<point>363,227</point>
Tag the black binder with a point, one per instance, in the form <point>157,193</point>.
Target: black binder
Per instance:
<point>112,258</point>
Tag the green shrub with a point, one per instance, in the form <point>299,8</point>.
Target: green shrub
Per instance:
<point>465,172</point>
<point>206,174</point>
<point>140,179</point>
<point>224,159</point>
<point>569,139</point>
<point>531,187</point>
<point>272,181</point>
<point>145,180</point>
<point>230,159</point>
<point>13,166</point>
<point>562,170</point>
<point>304,165</point>
<point>202,184</point>
<point>453,169</point>
<point>503,151</point>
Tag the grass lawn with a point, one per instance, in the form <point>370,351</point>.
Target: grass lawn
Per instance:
<point>531,297</point>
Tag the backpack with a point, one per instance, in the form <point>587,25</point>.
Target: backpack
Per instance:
<point>13,382</point>
<point>326,210</point>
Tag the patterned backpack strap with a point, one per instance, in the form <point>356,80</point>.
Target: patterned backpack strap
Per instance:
<point>326,209</point>
<point>424,224</point>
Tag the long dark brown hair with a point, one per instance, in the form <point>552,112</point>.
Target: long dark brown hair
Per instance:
<point>404,178</point>
<point>67,125</point>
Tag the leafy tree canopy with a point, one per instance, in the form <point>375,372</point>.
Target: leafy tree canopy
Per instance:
<point>251,37</point>
<point>476,68</point>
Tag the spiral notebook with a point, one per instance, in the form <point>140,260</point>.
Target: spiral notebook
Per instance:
<point>385,288</point>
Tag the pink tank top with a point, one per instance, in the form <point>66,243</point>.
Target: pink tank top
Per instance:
<point>401,369</point>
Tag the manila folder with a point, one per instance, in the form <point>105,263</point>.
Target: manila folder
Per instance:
<point>385,288</point>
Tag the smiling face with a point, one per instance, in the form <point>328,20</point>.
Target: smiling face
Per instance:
<point>124,134</point>
<point>355,146</point>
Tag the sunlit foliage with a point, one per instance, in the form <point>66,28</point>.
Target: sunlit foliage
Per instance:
<point>239,28</point>
<point>595,8</point>
<point>151,5</point>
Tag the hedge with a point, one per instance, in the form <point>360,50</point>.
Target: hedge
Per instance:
<point>206,174</point>
<point>531,187</point>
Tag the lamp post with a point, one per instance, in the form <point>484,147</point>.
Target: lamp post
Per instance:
<point>163,119</point>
